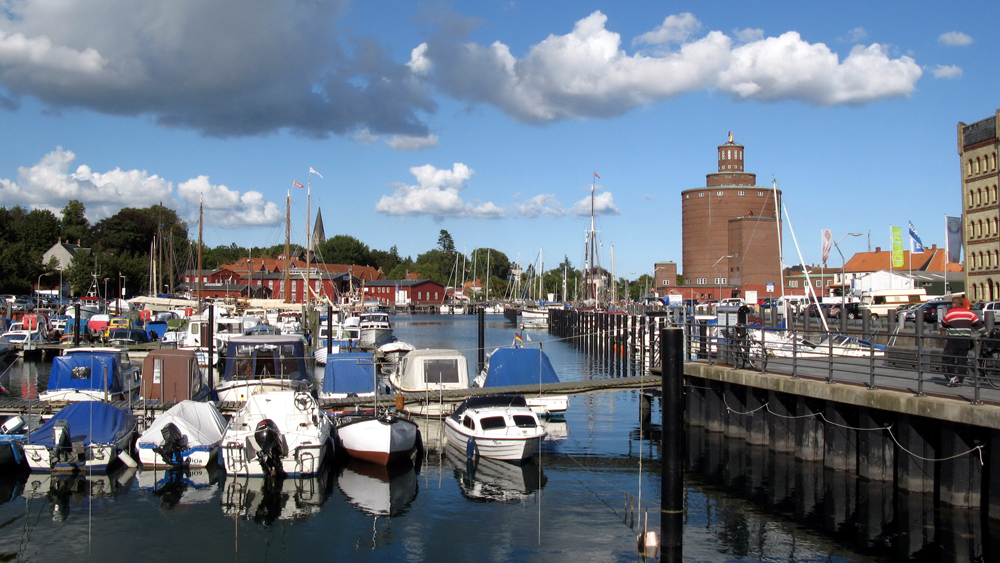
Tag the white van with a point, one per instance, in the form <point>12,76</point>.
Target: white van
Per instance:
<point>881,302</point>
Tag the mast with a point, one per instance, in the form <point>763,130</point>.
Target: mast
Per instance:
<point>309,232</point>
<point>288,234</point>
<point>487,275</point>
<point>201,222</point>
<point>614,280</point>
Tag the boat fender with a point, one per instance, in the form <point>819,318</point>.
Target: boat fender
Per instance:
<point>127,459</point>
<point>471,450</point>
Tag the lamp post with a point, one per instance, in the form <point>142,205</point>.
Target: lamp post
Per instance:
<point>121,293</point>
<point>843,268</point>
<point>105,295</point>
<point>38,288</point>
<point>712,269</point>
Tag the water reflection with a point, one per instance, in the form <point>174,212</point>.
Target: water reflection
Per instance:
<point>265,500</point>
<point>64,491</point>
<point>848,512</point>
<point>377,489</point>
<point>181,486</point>
<point>488,480</point>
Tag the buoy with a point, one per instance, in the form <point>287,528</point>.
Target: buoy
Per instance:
<point>400,402</point>
<point>127,459</point>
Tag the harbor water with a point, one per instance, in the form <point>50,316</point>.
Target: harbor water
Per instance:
<point>587,496</point>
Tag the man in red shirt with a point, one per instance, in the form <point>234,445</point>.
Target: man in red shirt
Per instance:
<point>958,323</point>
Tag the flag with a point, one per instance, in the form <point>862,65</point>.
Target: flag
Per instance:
<point>915,244</point>
<point>596,176</point>
<point>297,185</point>
<point>528,336</point>
<point>311,171</point>
<point>897,247</point>
<point>517,340</point>
<point>826,241</point>
<point>953,228</point>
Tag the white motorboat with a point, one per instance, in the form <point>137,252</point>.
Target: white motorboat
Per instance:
<point>534,318</point>
<point>84,436</point>
<point>376,329</point>
<point>187,435</point>
<point>263,363</point>
<point>429,372</point>
<point>276,433</point>
<point>495,426</point>
<point>343,339</point>
<point>377,437</point>
<point>25,336</point>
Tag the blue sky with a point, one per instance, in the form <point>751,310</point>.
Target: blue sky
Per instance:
<point>489,119</point>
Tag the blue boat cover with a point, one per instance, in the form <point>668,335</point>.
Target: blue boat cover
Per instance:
<point>349,373</point>
<point>90,422</point>
<point>156,329</point>
<point>519,366</point>
<point>87,371</point>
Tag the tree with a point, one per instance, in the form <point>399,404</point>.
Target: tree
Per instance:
<point>435,265</point>
<point>345,249</point>
<point>445,243</point>
<point>75,226</point>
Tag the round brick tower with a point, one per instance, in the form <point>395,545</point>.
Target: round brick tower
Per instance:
<point>729,216</point>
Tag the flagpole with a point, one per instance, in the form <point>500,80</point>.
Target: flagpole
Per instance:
<point>947,255</point>
<point>308,235</point>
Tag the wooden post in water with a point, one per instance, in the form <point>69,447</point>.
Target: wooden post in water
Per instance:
<point>329,332</point>
<point>76,324</point>
<point>672,444</point>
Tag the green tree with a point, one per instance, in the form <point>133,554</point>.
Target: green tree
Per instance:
<point>436,265</point>
<point>345,249</point>
<point>445,243</point>
<point>75,226</point>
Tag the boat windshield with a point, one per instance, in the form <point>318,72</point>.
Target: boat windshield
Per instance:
<point>441,371</point>
<point>493,422</point>
<point>255,362</point>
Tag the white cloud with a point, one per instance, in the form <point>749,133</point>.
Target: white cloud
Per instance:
<point>955,39</point>
<point>787,67</point>
<point>585,73</point>
<point>364,136</point>
<point>674,29</point>
<point>437,193</point>
<point>407,143</point>
<point>748,35</point>
<point>223,68</point>
<point>545,204</point>
<point>419,63</point>
<point>604,204</point>
<point>856,35</point>
<point>947,71</point>
<point>50,185</point>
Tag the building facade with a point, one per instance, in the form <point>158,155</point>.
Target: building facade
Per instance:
<point>977,151</point>
<point>730,230</point>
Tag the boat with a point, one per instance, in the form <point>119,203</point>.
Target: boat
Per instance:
<point>376,436</point>
<point>289,322</point>
<point>376,329</point>
<point>12,439</point>
<point>276,433</point>
<point>83,436</point>
<point>534,318</point>
<point>349,374</point>
<point>430,372</point>
<point>786,345</point>
<point>171,375</point>
<point>495,426</point>
<point>90,374</point>
<point>389,355</point>
<point>379,490</point>
<point>25,336</point>
<point>344,338</point>
<point>187,435</point>
<point>263,363</point>
<point>522,367</point>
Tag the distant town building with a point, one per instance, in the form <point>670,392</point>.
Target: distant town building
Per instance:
<point>977,150</point>
<point>665,277</point>
<point>730,231</point>
<point>63,252</point>
<point>319,232</point>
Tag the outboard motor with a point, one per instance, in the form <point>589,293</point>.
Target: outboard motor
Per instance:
<point>61,441</point>
<point>271,447</point>
<point>174,444</point>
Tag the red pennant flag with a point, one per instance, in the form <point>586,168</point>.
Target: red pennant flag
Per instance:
<point>595,175</point>
<point>297,185</point>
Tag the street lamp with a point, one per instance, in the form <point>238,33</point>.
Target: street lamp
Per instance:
<point>710,270</point>
<point>121,293</point>
<point>105,295</point>
<point>843,268</point>
<point>38,288</point>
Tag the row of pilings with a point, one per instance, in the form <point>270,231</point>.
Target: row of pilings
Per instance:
<point>627,344</point>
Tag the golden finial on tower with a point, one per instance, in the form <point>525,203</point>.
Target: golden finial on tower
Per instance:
<point>730,136</point>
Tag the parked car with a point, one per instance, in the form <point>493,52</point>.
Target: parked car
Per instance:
<point>929,310</point>
<point>980,309</point>
<point>853,310</point>
<point>23,304</point>
<point>767,302</point>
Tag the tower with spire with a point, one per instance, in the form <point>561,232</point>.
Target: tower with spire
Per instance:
<point>318,234</point>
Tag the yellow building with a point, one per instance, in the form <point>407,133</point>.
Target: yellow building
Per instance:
<point>977,150</point>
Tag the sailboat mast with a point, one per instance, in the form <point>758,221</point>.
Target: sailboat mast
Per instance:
<point>309,239</point>
<point>201,222</point>
<point>288,234</point>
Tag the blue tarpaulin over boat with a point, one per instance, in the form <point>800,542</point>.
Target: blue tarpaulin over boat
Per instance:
<point>87,371</point>
<point>519,366</point>
<point>90,422</point>
<point>349,373</point>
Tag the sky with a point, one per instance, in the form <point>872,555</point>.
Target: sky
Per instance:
<point>493,120</point>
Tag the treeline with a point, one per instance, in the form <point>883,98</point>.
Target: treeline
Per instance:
<point>120,248</point>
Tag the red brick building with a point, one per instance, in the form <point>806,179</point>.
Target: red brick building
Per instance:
<point>730,231</point>
<point>405,292</point>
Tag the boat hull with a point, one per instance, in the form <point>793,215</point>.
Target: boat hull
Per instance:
<point>302,460</point>
<point>505,449</point>
<point>382,440</point>
<point>95,458</point>
<point>238,391</point>
<point>197,456</point>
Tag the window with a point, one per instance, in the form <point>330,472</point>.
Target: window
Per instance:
<point>720,280</point>
<point>492,423</point>
<point>701,281</point>
<point>524,421</point>
<point>666,282</point>
<point>793,283</point>
<point>819,283</point>
<point>441,371</point>
<point>968,168</point>
<point>718,192</point>
<point>701,194</point>
<point>741,192</point>
<point>760,194</point>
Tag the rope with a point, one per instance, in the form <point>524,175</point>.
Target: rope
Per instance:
<point>980,448</point>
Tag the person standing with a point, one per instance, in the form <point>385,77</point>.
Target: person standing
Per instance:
<point>958,324</point>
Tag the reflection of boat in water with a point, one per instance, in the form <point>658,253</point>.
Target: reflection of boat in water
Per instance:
<point>379,490</point>
<point>64,490</point>
<point>265,500</point>
<point>488,480</point>
<point>180,486</point>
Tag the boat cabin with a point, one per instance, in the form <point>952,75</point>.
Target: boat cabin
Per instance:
<point>266,357</point>
<point>172,375</point>
<point>433,369</point>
